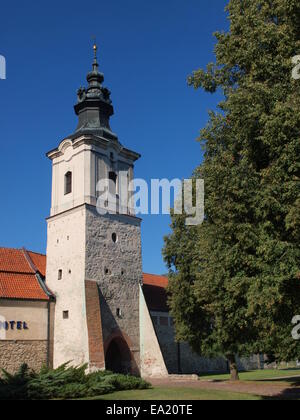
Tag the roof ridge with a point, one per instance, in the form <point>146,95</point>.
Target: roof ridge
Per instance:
<point>21,249</point>
<point>36,253</point>
<point>29,260</point>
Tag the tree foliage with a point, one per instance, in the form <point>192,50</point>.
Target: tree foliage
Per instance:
<point>234,280</point>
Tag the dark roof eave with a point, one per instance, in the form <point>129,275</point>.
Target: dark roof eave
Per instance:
<point>50,295</point>
<point>24,299</point>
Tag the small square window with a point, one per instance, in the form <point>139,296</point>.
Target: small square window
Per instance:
<point>65,314</point>
<point>60,274</point>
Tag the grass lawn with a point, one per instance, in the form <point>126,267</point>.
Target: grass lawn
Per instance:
<point>175,394</point>
<point>262,381</point>
<point>257,375</point>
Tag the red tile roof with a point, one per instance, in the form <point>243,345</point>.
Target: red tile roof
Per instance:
<point>39,260</point>
<point>155,280</point>
<point>14,261</point>
<point>19,274</point>
<point>21,286</point>
<point>154,289</point>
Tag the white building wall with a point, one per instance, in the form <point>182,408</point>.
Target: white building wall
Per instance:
<point>88,164</point>
<point>152,361</point>
<point>66,252</point>
<point>75,162</point>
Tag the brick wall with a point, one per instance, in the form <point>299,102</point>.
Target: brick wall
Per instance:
<point>94,324</point>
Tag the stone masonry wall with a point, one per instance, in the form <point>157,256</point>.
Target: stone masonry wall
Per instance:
<point>117,268</point>
<point>15,353</point>
<point>191,362</point>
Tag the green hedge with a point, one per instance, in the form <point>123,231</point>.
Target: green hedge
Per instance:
<point>65,382</point>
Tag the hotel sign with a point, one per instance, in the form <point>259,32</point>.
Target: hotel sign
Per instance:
<point>13,325</point>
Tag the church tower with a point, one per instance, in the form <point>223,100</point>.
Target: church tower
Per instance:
<point>94,264</point>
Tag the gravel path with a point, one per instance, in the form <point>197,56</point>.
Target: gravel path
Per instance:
<point>270,388</point>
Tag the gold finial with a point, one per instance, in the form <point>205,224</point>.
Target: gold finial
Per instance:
<point>95,48</point>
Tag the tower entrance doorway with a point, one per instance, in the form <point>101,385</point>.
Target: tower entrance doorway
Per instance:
<point>118,357</point>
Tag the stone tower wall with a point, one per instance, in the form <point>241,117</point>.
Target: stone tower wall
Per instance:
<point>117,269</point>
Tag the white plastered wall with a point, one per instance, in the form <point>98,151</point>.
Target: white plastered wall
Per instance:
<point>152,361</point>
<point>77,162</point>
<point>66,252</point>
<point>88,164</point>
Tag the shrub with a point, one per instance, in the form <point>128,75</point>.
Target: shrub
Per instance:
<point>65,382</point>
<point>15,386</point>
<point>122,383</point>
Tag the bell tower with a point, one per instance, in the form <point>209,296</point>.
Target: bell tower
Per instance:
<point>94,264</point>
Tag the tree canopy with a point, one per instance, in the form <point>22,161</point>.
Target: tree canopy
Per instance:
<point>234,280</point>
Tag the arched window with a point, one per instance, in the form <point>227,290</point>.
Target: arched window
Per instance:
<point>68,183</point>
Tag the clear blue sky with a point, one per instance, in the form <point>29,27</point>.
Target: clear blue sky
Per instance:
<point>146,51</point>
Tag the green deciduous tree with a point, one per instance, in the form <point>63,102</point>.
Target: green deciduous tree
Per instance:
<point>234,280</point>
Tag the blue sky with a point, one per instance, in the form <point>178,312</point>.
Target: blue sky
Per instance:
<point>146,51</point>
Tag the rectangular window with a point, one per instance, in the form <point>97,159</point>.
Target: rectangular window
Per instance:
<point>65,314</point>
<point>112,183</point>
<point>59,274</point>
<point>68,183</point>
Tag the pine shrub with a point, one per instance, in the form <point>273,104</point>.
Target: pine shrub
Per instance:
<point>65,382</point>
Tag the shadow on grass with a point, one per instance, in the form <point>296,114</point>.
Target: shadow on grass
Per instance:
<point>288,387</point>
<point>295,382</point>
<point>292,392</point>
<point>286,395</point>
